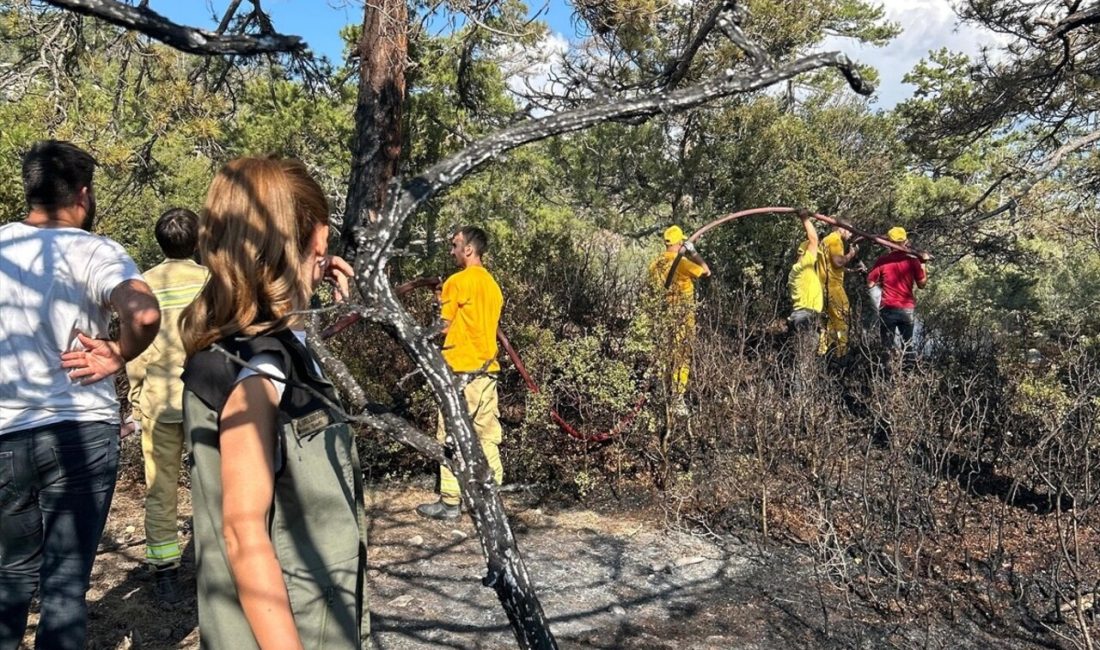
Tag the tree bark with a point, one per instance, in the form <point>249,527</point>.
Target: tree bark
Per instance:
<point>506,572</point>
<point>383,56</point>
<point>379,204</point>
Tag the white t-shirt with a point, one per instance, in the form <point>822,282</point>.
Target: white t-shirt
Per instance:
<point>53,283</point>
<point>272,366</point>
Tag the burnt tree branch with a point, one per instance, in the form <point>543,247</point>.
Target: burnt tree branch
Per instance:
<point>678,69</point>
<point>376,241</point>
<point>186,39</point>
<point>506,572</point>
<point>731,26</point>
<point>1090,16</point>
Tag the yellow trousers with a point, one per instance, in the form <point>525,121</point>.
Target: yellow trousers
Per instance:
<point>162,446</point>
<point>836,323</point>
<point>484,410</point>
<point>680,342</point>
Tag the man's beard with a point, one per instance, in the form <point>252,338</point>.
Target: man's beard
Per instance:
<point>89,215</point>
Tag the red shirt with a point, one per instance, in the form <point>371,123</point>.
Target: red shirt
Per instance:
<point>897,273</point>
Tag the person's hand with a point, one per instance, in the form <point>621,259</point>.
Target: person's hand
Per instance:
<point>923,256</point>
<point>98,360</point>
<point>688,247</point>
<point>853,250</point>
<point>129,427</point>
<point>339,272</point>
<point>803,213</point>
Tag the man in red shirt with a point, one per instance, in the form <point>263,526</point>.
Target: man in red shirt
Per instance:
<point>896,273</point>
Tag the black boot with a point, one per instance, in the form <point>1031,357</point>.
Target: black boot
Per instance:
<point>166,589</point>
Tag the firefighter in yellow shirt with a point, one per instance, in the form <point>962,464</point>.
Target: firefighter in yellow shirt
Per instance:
<point>804,282</point>
<point>157,394</point>
<point>837,310</point>
<point>471,302</point>
<point>675,323</point>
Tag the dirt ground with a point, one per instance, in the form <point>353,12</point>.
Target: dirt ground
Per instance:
<point>606,580</point>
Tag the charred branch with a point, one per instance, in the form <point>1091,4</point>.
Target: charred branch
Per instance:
<point>679,68</point>
<point>730,25</point>
<point>187,39</point>
<point>403,201</point>
<point>507,574</point>
<point>1075,20</point>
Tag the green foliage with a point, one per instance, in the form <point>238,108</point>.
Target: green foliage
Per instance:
<point>575,220</point>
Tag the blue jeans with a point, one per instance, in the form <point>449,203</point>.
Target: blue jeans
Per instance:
<point>900,320</point>
<point>56,484</point>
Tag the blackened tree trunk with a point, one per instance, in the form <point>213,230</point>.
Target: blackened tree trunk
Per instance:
<point>376,150</point>
<point>380,203</point>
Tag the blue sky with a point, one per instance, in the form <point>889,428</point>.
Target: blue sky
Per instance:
<point>319,21</point>
<point>927,25</point>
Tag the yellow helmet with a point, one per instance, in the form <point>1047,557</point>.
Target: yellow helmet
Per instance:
<point>674,235</point>
<point>897,234</point>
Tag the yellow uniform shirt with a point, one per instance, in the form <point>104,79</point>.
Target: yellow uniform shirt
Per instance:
<point>472,302</point>
<point>683,281</point>
<point>155,387</point>
<point>833,246</point>
<point>805,283</point>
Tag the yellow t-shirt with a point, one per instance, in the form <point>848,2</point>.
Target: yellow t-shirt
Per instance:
<point>472,302</point>
<point>805,283</point>
<point>683,281</point>
<point>833,246</point>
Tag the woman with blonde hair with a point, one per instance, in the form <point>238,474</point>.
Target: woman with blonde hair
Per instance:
<point>279,530</point>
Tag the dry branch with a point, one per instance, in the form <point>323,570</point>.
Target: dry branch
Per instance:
<point>186,39</point>
<point>373,244</point>
<point>373,238</point>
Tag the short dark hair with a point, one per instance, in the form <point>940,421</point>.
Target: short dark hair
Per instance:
<point>54,172</point>
<point>177,232</point>
<point>476,237</point>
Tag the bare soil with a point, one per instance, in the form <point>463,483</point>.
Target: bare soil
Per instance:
<point>607,579</point>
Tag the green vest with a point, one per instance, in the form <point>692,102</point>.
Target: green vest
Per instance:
<point>318,523</point>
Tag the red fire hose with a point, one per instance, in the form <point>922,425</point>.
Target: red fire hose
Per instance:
<point>433,283</point>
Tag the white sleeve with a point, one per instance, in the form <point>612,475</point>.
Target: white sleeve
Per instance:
<point>271,364</point>
<point>109,266</point>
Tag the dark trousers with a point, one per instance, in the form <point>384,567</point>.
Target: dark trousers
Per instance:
<point>56,484</point>
<point>901,321</point>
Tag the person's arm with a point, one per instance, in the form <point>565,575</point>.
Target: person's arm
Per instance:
<point>922,273</point>
<point>693,255</point>
<point>811,232</point>
<point>841,261</point>
<point>874,276</point>
<point>139,321</point>
<point>448,303</point>
<point>138,316</point>
<point>247,441</point>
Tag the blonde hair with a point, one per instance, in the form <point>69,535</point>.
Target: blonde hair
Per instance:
<point>259,217</point>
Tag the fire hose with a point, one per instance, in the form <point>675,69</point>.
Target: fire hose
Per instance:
<point>639,402</point>
<point>433,283</point>
<point>832,221</point>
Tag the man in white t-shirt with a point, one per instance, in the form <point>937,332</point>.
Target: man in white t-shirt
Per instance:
<point>59,285</point>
